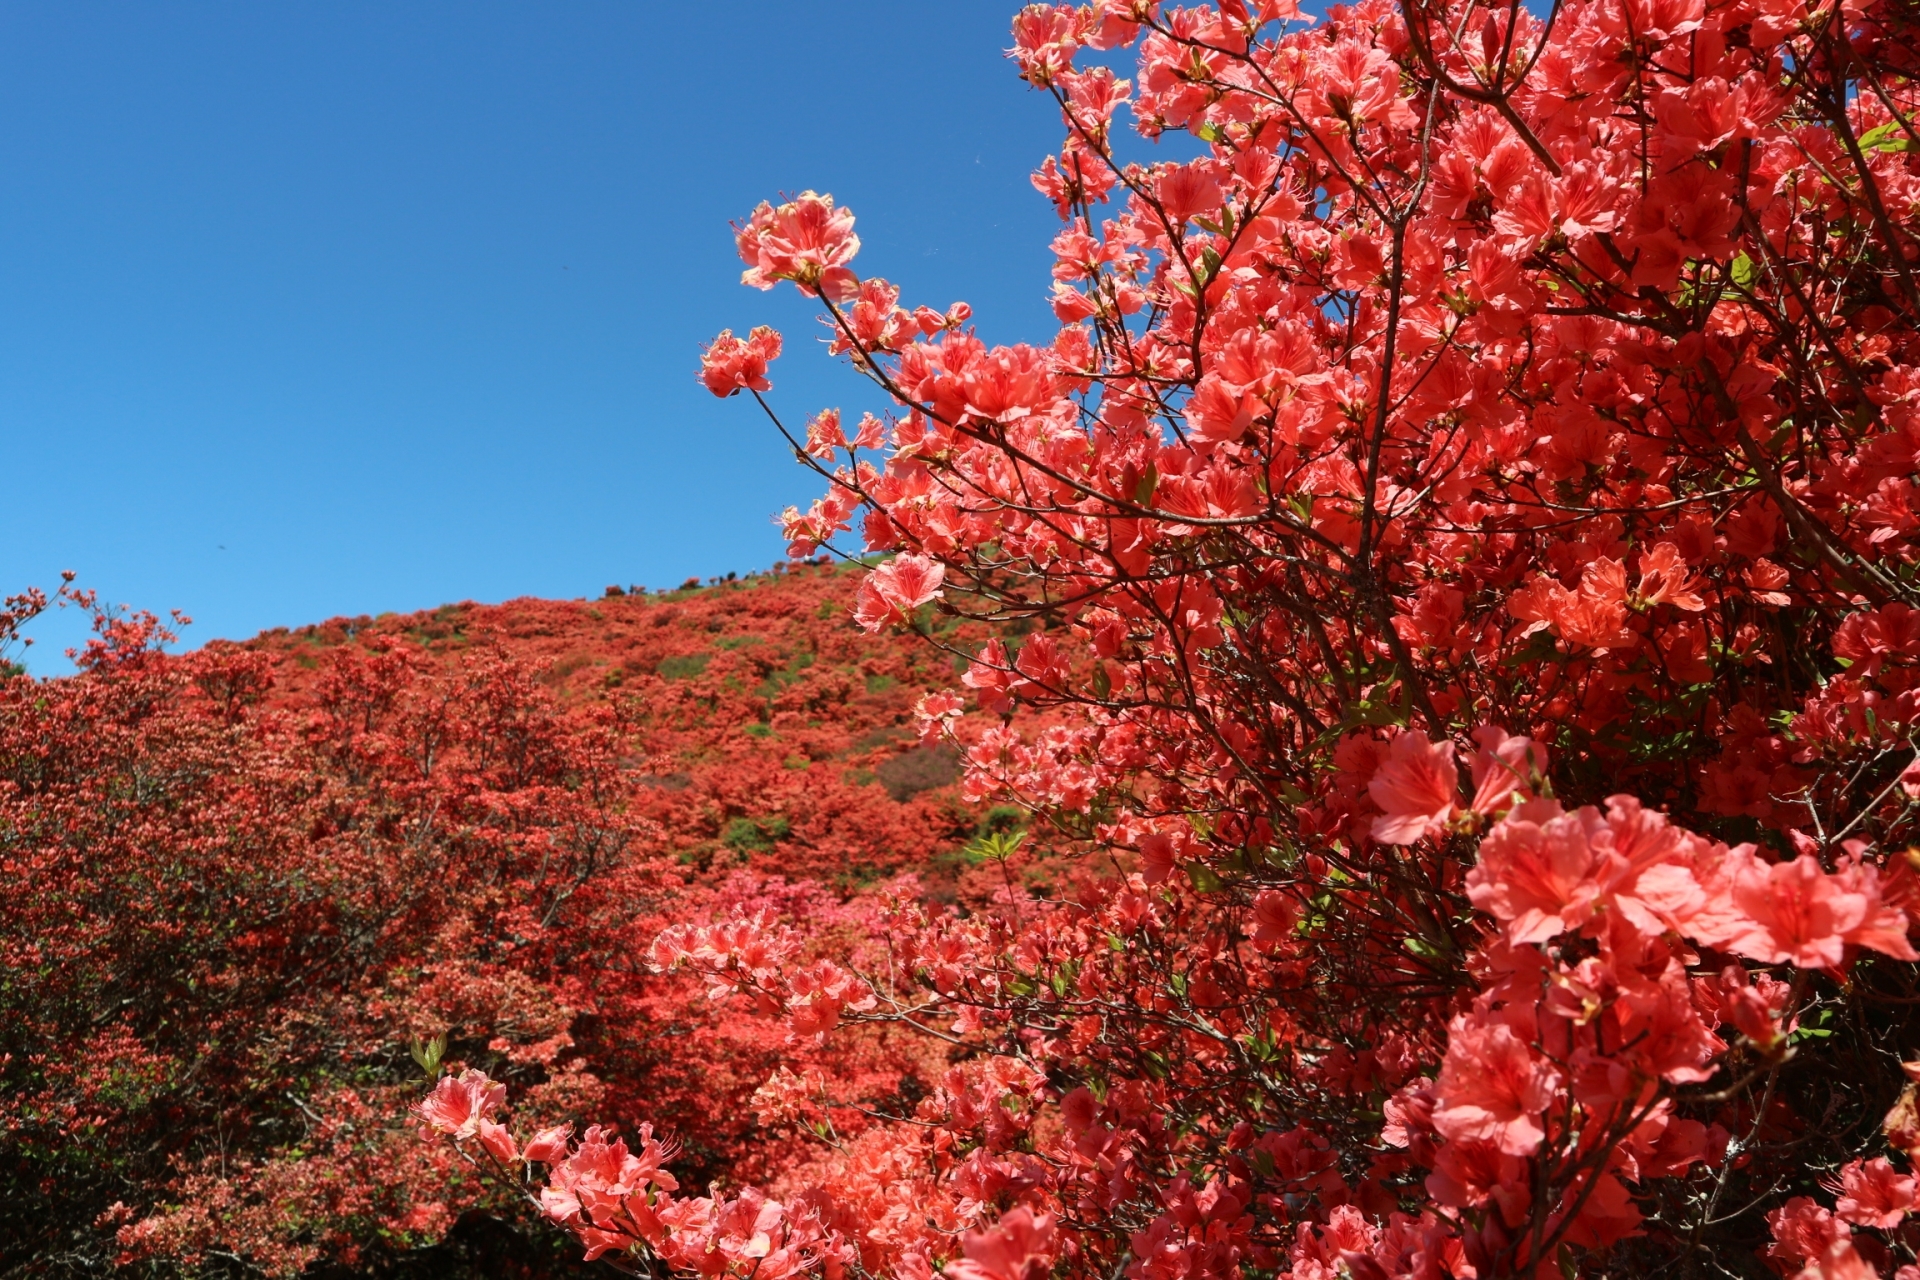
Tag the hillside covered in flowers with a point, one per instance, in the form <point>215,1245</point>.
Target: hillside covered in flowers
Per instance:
<point>1388,748</point>
<point>1470,497</point>
<point>246,883</point>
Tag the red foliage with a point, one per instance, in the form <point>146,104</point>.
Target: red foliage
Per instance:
<point>242,882</point>
<point>1528,390</point>
<point>1448,591</point>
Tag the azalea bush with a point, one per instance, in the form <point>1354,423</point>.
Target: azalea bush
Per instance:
<point>1454,589</point>
<point>252,891</point>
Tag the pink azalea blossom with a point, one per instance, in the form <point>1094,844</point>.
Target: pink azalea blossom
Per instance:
<point>1414,788</point>
<point>459,1105</point>
<point>1874,1194</point>
<point>729,365</point>
<point>1020,1247</point>
<point>805,240</point>
<point>549,1146</point>
<point>1505,765</point>
<point>896,589</point>
<point>1493,1087</point>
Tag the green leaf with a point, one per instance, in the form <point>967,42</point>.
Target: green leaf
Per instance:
<point>1742,271</point>
<point>1143,492</point>
<point>427,1053</point>
<point>1887,137</point>
<point>1202,878</point>
<point>1262,1046</point>
<point>995,846</point>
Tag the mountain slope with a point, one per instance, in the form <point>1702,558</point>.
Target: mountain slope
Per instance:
<point>246,882</point>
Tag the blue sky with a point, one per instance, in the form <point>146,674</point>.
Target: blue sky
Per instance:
<point>309,310</point>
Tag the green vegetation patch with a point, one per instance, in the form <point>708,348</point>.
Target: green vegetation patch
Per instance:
<point>777,682</point>
<point>1002,819</point>
<point>921,769</point>
<point>755,835</point>
<point>683,667</point>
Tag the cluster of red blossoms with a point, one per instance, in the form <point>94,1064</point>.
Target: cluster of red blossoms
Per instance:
<point>1538,389</point>
<point>246,885</point>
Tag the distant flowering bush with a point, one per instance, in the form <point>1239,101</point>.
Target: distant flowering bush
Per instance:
<point>1455,597</point>
<point>249,890</point>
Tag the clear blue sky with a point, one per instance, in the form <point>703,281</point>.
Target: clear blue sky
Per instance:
<point>322,309</point>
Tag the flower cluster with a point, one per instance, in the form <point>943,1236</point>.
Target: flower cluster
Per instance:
<point>618,1200</point>
<point>1450,581</point>
<point>252,885</point>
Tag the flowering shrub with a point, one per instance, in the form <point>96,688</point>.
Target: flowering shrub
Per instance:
<point>245,885</point>
<point>1533,392</point>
